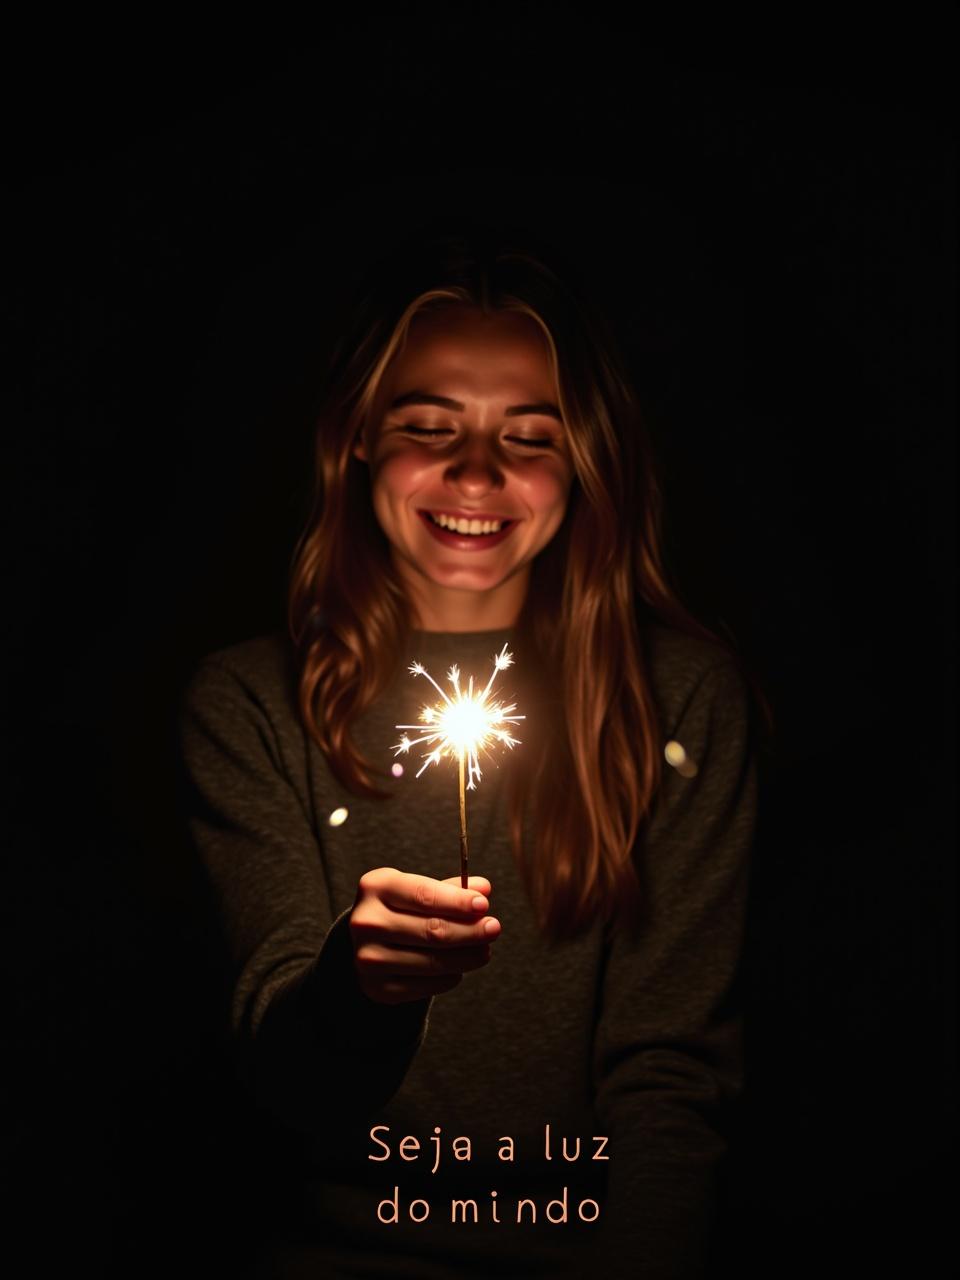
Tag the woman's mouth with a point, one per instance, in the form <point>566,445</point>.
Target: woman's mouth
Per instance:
<point>467,533</point>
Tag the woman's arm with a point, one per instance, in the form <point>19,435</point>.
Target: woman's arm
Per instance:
<point>668,1043</point>
<point>303,1028</point>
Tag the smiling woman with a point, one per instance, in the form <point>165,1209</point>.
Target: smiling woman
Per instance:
<point>469,493</point>
<point>483,479</point>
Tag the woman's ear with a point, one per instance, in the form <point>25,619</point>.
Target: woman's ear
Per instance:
<point>360,448</point>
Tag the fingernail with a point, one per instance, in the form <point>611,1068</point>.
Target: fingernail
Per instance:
<point>491,926</point>
<point>479,904</point>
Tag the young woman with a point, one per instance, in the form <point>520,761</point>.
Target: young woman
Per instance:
<point>529,1076</point>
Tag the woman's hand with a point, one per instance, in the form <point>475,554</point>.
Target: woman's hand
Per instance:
<point>415,937</point>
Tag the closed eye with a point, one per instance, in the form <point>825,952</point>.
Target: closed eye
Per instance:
<point>413,430</point>
<point>425,433</point>
<point>531,442</point>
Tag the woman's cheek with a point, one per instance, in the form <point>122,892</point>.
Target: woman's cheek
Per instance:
<point>548,487</point>
<point>399,476</point>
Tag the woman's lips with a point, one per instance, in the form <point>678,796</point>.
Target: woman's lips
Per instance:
<point>467,541</point>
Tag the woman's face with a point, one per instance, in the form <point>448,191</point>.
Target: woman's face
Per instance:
<point>469,464</point>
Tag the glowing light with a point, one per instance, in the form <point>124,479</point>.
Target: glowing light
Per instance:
<point>676,755</point>
<point>465,725</point>
<point>397,769</point>
<point>460,728</point>
<point>338,817</point>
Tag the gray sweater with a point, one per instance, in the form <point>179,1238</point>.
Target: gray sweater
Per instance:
<point>630,1045</point>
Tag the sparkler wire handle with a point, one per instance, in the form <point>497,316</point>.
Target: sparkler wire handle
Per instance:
<point>463,829</point>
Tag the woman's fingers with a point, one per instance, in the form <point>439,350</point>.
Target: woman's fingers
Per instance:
<point>408,893</point>
<point>415,937</point>
<point>404,909</point>
<point>375,923</point>
<point>478,884</point>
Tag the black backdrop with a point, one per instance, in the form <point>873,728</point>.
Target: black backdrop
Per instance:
<point>768,215</point>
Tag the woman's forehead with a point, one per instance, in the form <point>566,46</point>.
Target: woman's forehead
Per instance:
<point>462,337</point>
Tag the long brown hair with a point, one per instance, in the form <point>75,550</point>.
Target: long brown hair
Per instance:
<point>589,781</point>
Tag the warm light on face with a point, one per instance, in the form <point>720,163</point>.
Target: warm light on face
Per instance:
<point>470,470</point>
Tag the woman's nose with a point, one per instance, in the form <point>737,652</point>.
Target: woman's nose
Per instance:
<point>475,470</point>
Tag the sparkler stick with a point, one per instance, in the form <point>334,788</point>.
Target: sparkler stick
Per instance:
<point>460,728</point>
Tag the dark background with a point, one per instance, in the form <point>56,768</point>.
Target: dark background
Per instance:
<point>768,216</point>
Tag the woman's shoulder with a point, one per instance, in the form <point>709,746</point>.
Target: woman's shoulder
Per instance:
<point>674,654</point>
<point>261,669</point>
<point>262,657</point>
<point>683,667</point>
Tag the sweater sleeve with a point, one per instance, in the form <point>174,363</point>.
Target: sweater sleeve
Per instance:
<point>302,1027</point>
<point>668,1043</point>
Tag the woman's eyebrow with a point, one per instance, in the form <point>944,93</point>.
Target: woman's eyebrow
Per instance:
<point>543,407</point>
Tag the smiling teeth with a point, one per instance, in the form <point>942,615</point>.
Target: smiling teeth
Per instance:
<point>461,525</point>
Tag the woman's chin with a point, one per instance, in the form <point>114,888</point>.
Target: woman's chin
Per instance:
<point>481,584</point>
<point>488,586</point>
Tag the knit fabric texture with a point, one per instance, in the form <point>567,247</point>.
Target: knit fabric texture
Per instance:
<point>592,1079</point>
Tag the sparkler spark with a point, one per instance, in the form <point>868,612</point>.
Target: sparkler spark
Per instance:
<point>461,727</point>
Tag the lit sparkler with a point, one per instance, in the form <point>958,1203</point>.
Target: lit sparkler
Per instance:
<point>460,728</point>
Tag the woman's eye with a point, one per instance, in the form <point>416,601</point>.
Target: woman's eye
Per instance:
<point>532,442</point>
<point>412,429</point>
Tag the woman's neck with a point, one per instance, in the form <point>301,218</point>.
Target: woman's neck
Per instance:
<point>466,611</point>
